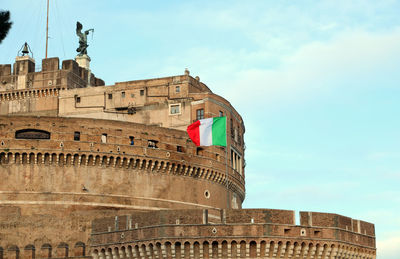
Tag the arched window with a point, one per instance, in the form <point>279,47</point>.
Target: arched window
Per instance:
<point>46,251</point>
<point>63,250</point>
<point>253,249</point>
<point>32,134</point>
<point>29,251</point>
<point>13,250</point>
<point>79,249</point>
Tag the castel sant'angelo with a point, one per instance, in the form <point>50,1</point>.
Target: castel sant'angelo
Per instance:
<point>90,170</point>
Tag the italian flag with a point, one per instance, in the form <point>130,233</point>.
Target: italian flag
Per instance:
<point>208,132</point>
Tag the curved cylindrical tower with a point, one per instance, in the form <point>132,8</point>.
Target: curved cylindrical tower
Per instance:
<point>62,166</point>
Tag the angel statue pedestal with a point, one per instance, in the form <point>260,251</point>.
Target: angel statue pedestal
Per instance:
<point>83,61</point>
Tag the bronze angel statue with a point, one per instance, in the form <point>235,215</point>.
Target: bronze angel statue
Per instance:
<point>82,39</point>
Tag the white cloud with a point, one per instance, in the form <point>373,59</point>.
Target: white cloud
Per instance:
<point>352,59</point>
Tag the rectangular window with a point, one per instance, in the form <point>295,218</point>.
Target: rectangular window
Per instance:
<point>199,114</point>
<point>177,89</point>
<point>152,143</point>
<point>236,161</point>
<point>236,134</point>
<point>104,138</point>
<point>199,151</point>
<point>179,149</point>
<point>109,96</point>
<point>174,109</point>
<point>221,114</point>
<point>123,94</point>
<point>141,92</point>
<point>131,140</point>
<point>132,95</point>
<point>77,99</point>
<point>77,136</point>
<point>232,129</point>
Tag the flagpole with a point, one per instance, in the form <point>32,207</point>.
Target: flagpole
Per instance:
<point>47,27</point>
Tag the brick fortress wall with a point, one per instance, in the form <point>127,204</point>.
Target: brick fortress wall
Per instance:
<point>247,233</point>
<point>52,188</point>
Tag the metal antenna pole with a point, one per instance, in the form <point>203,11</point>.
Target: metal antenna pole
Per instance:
<point>47,28</point>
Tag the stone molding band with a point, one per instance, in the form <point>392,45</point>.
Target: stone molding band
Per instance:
<point>252,248</point>
<point>154,165</point>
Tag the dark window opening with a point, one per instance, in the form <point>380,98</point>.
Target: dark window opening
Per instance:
<point>177,89</point>
<point>200,114</point>
<point>179,148</point>
<point>232,129</point>
<point>152,143</point>
<point>199,151</point>
<point>141,92</point>
<point>109,96</point>
<point>77,99</point>
<point>221,114</point>
<point>77,136</point>
<point>32,134</point>
<point>131,140</point>
<point>287,230</point>
<point>123,94</point>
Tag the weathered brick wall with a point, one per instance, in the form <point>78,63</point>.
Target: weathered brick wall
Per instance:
<point>260,216</point>
<point>40,227</point>
<point>337,221</point>
<point>148,219</point>
<point>367,228</point>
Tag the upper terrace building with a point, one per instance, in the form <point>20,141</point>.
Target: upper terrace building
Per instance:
<point>82,164</point>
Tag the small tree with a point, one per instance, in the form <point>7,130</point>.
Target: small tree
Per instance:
<point>5,24</point>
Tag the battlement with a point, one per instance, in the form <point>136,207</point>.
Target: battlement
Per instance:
<point>229,216</point>
<point>318,219</point>
<point>24,75</point>
<point>272,232</point>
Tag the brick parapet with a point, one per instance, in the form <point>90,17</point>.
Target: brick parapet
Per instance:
<point>189,227</point>
<point>318,219</point>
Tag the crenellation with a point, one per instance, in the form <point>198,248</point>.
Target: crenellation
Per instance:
<point>5,70</point>
<point>50,64</point>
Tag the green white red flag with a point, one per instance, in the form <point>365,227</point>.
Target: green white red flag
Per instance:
<point>208,132</point>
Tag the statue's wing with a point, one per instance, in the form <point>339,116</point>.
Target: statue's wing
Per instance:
<point>79,26</point>
<point>79,29</point>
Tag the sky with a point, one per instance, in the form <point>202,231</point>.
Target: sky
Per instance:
<point>316,82</point>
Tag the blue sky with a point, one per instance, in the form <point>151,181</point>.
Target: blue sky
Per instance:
<point>317,83</point>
